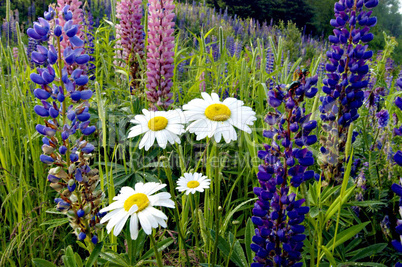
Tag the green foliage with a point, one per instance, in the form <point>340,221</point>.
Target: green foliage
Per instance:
<point>292,38</point>
<point>335,235</point>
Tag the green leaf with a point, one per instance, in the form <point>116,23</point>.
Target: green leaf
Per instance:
<point>335,205</point>
<point>239,253</point>
<point>69,258</point>
<point>78,260</point>
<point>366,203</point>
<point>161,246</point>
<point>94,255</point>
<point>232,212</point>
<point>314,212</point>
<point>42,263</point>
<point>203,227</point>
<point>225,249</point>
<point>55,223</point>
<point>347,234</point>
<point>367,251</point>
<point>135,247</point>
<point>365,264</point>
<point>247,240</point>
<point>113,257</point>
<point>329,255</point>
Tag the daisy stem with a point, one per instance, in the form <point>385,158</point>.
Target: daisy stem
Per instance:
<point>194,209</point>
<point>157,255</point>
<point>176,209</point>
<point>181,157</point>
<point>216,197</point>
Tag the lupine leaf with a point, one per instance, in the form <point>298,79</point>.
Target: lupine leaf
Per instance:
<point>69,258</point>
<point>55,223</point>
<point>232,212</point>
<point>365,264</point>
<point>329,255</point>
<point>247,240</point>
<point>78,260</point>
<point>367,251</point>
<point>347,234</point>
<point>42,263</point>
<point>161,246</point>
<point>94,255</point>
<point>113,257</point>
<point>237,250</point>
<point>335,205</point>
<point>225,249</point>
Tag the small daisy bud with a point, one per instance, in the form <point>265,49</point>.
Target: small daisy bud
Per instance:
<point>220,208</point>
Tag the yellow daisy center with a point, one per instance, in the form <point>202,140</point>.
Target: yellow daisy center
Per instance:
<point>139,199</point>
<point>157,123</point>
<point>217,112</point>
<point>193,184</point>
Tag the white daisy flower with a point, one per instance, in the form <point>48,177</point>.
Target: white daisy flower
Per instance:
<point>139,204</point>
<point>192,182</point>
<point>164,126</point>
<point>211,117</point>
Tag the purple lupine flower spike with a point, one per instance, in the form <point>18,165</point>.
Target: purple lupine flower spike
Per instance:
<point>278,214</point>
<point>397,189</point>
<point>130,38</point>
<point>70,173</point>
<point>160,53</point>
<point>346,78</point>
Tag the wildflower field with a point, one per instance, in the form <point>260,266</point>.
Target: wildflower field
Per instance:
<point>162,133</point>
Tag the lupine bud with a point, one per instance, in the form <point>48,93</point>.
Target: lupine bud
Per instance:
<point>80,213</point>
<point>94,239</point>
<point>82,236</point>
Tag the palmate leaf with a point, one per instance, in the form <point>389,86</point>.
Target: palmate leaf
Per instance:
<point>69,258</point>
<point>55,223</point>
<point>42,263</point>
<point>226,249</point>
<point>232,212</point>
<point>365,203</point>
<point>247,240</point>
<point>329,255</point>
<point>135,247</point>
<point>347,234</point>
<point>114,258</point>
<point>335,205</point>
<point>94,255</point>
<point>367,251</point>
<point>364,264</point>
<point>161,246</point>
<point>237,249</point>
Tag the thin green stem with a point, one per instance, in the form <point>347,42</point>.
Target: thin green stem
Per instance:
<point>216,198</point>
<point>176,211</point>
<point>157,255</point>
<point>195,226</point>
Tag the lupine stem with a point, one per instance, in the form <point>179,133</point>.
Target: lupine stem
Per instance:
<point>64,103</point>
<point>344,184</point>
